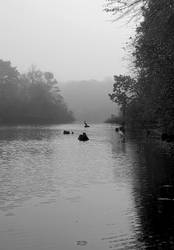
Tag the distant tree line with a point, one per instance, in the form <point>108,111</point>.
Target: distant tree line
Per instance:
<point>149,97</point>
<point>31,98</point>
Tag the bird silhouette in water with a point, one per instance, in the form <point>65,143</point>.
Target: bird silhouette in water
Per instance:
<point>86,125</point>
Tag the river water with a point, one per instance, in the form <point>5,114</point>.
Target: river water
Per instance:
<point>57,193</point>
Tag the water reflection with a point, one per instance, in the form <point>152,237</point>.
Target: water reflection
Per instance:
<point>96,195</point>
<point>150,169</point>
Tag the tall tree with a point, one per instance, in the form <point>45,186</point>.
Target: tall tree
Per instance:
<point>44,100</point>
<point>33,97</point>
<point>123,92</point>
<point>9,79</point>
<point>154,59</point>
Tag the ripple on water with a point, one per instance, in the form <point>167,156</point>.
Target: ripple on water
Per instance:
<point>65,194</point>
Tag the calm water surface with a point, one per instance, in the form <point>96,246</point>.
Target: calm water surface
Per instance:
<point>57,193</point>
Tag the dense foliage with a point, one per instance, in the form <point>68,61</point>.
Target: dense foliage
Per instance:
<point>154,63</point>
<point>30,98</point>
<point>115,119</point>
<point>123,92</point>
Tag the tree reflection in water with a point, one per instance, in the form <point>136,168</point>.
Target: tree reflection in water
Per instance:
<point>150,168</point>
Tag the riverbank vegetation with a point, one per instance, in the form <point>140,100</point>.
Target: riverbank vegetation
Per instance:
<point>30,98</point>
<point>148,97</point>
<point>117,119</point>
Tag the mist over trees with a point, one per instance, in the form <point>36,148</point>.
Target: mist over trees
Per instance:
<point>153,53</point>
<point>88,99</point>
<point>31,98</point>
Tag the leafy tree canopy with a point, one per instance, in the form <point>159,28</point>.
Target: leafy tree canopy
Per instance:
<point>33,97</point>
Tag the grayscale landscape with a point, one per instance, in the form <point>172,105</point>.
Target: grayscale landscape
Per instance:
<point>93,106</point>
<point>87,125</point>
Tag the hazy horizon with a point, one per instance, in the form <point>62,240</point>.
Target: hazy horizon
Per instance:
<point>75,40</point>
<point>89,99</point>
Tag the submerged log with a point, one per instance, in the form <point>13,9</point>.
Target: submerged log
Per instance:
<point>66,132</point>
<point>83,137</point>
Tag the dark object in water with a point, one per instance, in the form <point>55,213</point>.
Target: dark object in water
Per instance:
<point>66,132</point>
<point>122,129</point>
<point>83,137</point>
<point>167,137</point>
<point>86,125</point>
<point>81,243</point>
<point>72,132</point>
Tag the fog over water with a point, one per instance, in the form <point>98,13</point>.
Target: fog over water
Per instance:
<point>89,100</point>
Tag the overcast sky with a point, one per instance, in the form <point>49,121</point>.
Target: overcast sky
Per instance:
<point>74,39</point>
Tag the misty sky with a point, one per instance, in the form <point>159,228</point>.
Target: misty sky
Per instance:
<point>74,39</point>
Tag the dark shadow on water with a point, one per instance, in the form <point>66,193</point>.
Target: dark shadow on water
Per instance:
<point>150,169</point>
<point>27,171</point>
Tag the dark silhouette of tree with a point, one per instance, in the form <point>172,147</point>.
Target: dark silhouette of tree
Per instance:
<point>154,59</point>
<point>123,92</point>
<point>33,97</point>
<point>153,53</point>
<point>9,79</point>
